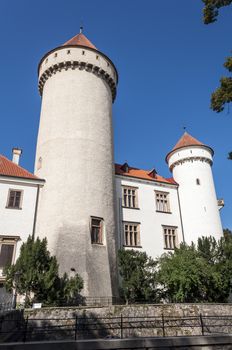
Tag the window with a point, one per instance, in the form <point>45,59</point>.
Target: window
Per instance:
<point>129,197</point>
<point>198,181</point>
<point>162,202</point>
<point>96,230</point>
<point>7,250</point>
<point>131,234</point>
<point>170,237</point>
<point>14,199</point>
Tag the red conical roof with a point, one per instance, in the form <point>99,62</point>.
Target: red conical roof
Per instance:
<point>187,140</point>
<point>80,40</point>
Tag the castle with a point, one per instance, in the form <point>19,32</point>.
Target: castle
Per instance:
<point>84,204</point>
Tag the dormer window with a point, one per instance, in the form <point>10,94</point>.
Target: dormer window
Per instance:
<point>153,173</point>
<point>125,168</point>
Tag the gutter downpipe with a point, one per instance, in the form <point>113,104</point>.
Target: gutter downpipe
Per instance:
<point>36,210</point>
<point>181,220</point>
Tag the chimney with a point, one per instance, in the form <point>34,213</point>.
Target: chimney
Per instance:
<point>16,155</point>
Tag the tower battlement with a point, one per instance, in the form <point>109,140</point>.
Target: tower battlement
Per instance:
<point>78,57</point>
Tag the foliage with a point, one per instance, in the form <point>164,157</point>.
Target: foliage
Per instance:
<point>198,274</point>
<point>182,275</point>
<point>227,232</point>
<point>211,8</point>
<point>223,94</point>
<point>138,273</point>
<point>37,276</point>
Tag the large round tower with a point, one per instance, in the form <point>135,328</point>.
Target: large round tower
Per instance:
<point>75,156</point>
<point>190,162</point>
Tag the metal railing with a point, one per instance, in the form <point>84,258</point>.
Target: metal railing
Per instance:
<point>6,306</point>
<point>90,327</point>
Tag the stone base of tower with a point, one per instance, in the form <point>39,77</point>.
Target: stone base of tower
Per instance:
<point>94,263</point>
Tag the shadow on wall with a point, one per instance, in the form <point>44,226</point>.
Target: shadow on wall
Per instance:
<point>76,327</point>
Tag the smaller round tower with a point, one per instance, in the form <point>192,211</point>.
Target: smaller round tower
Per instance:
<point>190,162</point>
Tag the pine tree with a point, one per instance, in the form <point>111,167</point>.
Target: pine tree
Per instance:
<point>38,277</point>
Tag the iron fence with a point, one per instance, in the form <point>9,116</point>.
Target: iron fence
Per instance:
<point>89,327</point>
<point>6,306</point>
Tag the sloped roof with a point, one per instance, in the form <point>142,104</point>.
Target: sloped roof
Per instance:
<point>187,140</point>
<point>8,168</point>
<point>142,174</point>
<point>80,40</point>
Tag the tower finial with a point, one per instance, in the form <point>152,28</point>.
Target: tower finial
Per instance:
<point>81,29</point>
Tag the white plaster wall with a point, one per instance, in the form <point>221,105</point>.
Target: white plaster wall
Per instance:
<point>198,202</point>
<point>76,147</point>
<point>151,221</point>
<point>17,222</point>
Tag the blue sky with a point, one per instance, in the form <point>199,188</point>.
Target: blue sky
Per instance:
<point>168,62</point>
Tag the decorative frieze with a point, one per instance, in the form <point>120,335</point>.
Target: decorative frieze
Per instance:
<point>81,65</point>
<point>190,159</point>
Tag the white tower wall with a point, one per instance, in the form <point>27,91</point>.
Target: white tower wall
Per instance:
<point>198,201</point>
<point>75,157</point>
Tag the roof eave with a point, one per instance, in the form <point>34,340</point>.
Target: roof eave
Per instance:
<point>38,180</point>
<point>150,180</point>
<point>81,46</point>
<point>182,147</point>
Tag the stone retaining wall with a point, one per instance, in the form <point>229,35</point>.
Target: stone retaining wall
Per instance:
<point>134,310</point>
<point>124,320</point>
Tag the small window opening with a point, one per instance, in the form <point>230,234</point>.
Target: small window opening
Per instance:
<point>97,57</point>
<point>83,52</point>
<point>68,52</point>
<point>198,181</point>
<point>96,230</point>
<point>55,55</point>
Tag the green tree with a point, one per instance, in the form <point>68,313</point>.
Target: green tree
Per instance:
<point>197,274</point>
<point>211,9</point>
<point>182,275</point>
<point>227,232</point>
<point>138,273</point>
<point>223,94</point>
<point>38,278</point>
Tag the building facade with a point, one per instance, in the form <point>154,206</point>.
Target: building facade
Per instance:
<point>19,192</point>
<point>86,206</point>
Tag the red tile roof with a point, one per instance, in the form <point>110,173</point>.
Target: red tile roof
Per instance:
<point>8,168</point>
<point>80,40</point>
<point>187,140</point>
<point>141,174</point>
